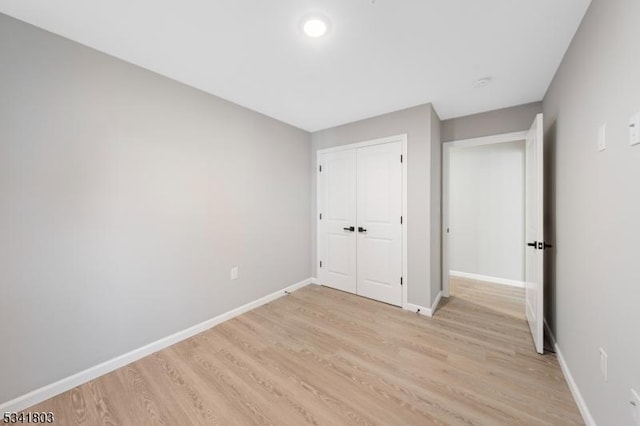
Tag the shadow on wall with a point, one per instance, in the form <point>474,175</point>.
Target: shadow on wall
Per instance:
<point>550,225</point>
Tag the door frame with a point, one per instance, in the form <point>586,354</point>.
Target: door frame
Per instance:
<point>402,138</point>
<point>446,157</point>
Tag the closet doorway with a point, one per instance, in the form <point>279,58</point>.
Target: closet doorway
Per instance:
<point>362,219</point>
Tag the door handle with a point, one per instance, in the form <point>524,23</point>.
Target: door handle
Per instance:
<point>350,229</point>
<point>533,244</point>
<point>361,229</point>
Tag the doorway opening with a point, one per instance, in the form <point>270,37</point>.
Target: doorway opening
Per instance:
<point>486,226</point>
<point>493,230</point>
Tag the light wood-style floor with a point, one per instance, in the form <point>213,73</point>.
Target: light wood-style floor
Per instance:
<point>320,356</point>
<point>501,299</point>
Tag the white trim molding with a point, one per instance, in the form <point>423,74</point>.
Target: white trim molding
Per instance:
<point>436,302</point>
<point>421,310</point>
<point>493,280</point>
<point>489,140</point>
<point>32,398</point>
<point>396,138</point>
<point>573,387</point>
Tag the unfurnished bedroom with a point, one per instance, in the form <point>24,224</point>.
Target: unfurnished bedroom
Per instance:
<point>333,212</point>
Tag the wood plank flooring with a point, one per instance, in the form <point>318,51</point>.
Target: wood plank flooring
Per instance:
<point>323,357</point>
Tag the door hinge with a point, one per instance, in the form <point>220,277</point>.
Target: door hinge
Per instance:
<point>401,158</point>
<point>401,281</point>
<point>400,220</point>
<point>321,263</point>
<point>320,168</point>
<point>320,216</point>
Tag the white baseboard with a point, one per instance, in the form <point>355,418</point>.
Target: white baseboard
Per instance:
<point>418,309</point>
<point>427,312</point>
<point>436,302</point>
<point>573,387</point>
<point>314,280</point>
<point>494,280</point>
<point>25,401</point>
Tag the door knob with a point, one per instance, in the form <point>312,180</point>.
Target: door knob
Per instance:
<point>361,229</point>
<point>533,244</point>
<point>350,229</point>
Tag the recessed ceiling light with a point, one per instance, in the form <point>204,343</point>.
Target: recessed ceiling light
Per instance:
<point>482,82</point>
<point>315,26</point>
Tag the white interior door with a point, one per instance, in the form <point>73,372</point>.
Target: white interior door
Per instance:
<point>379,247</point>
<point>336,225</point>
<point>534,258</point>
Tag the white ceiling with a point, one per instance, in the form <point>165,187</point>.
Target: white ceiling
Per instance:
<point>377,58</point>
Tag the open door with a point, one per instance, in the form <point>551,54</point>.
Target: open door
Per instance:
<point>534,229</point>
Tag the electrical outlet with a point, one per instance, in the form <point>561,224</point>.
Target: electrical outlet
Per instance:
<point>603,364</point>
<point>602,138</point>
<point>635,407</point>
<point>234,273</point>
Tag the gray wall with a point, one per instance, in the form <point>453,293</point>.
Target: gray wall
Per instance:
<point>507,120</point>
<point>486,212</point>
<point>416,123</point>
<point>594,292</point>
<point>125,200</point>
<point>436,206</point>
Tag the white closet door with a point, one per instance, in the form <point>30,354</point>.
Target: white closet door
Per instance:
<point>337,205</point>
<point>379,229</point>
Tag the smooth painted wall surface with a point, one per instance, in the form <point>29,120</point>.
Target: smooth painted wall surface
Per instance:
<point>486,210</point>
<point>594,214</point>
<point>125,199</point>
<point>416,123</point>
<point>436,207</point>
<point>506,120</point>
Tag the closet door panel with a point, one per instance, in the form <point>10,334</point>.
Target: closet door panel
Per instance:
<point>379,211</point>
<point>337,205</point>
